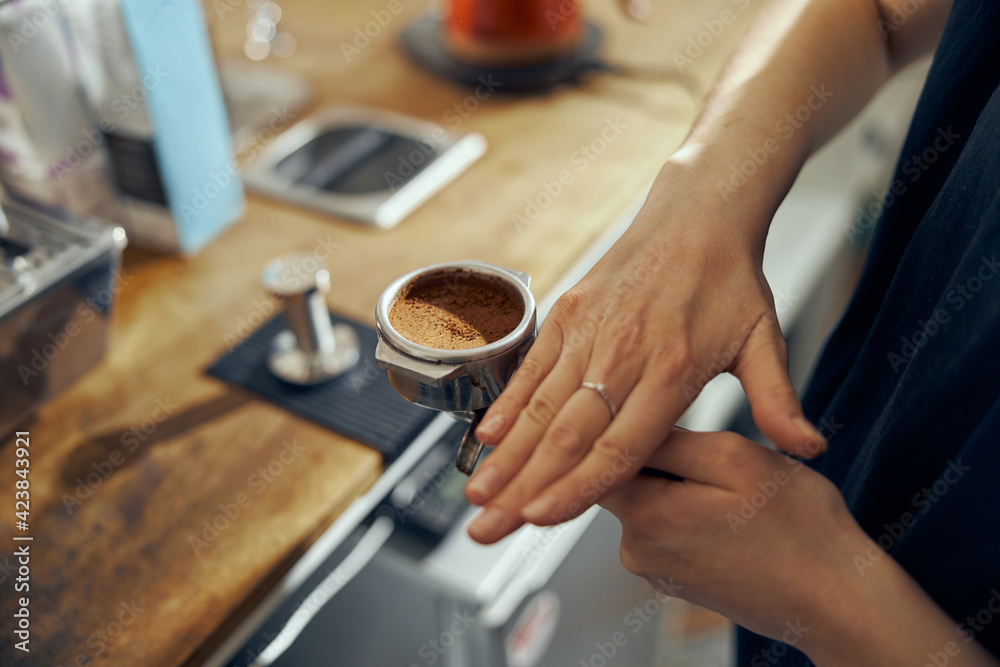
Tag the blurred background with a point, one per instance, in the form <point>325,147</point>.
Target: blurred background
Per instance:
<point>204,201</point>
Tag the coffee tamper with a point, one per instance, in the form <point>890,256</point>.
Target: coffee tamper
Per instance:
<point>462,382</point>
<point>311,349</point>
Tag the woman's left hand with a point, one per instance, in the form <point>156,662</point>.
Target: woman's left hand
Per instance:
<point>751,533</point>
<point>770,543</point>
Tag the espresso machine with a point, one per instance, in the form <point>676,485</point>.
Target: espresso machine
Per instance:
<point>397,581</point>
<point>59,276</point>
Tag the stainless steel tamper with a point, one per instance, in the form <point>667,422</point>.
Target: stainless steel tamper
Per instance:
<point>463,382</point>
<point>311,349</point>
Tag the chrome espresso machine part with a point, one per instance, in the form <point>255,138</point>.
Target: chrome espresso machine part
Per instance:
<point>59,276</point>
<point>463,382</point>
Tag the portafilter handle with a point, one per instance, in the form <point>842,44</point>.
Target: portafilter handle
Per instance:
<point>468,451</point>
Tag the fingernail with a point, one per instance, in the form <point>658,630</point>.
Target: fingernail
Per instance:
<point>640,9</point>
<point>817,443</point>
<point>487,521</point>
<point>540,509</point>
<point>489,428</point>
<point>484,482</point>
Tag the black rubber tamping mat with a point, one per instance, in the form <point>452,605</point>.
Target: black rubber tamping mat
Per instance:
<point>360,404</point>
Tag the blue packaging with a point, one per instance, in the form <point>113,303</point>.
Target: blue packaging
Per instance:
<point>148,69</point>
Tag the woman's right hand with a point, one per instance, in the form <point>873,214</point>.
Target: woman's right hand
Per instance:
<point>680,298</point>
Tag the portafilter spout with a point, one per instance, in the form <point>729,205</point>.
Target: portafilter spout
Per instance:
<point>470,448</point>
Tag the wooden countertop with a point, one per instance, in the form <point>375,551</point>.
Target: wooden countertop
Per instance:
<point>115,577</point>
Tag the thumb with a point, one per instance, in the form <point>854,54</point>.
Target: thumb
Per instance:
<point>762,369</point>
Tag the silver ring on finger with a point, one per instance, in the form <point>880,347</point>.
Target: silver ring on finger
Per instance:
<point>603,393</point>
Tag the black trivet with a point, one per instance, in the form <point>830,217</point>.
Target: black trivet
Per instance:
<point>423,42</point>
<point>360,404</point>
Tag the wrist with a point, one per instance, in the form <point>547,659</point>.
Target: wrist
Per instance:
<point>686,201</point>
<point>845,613</point>
<point>873,612</point>
<point>745,165</point>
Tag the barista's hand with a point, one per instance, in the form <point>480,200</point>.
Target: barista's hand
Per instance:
<point>770,543</point>
<point>751,533</point>
<point>679,299</point>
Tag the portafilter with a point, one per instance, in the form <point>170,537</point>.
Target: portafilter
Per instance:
<point>463,382</point>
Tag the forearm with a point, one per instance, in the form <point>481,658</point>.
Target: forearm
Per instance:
<point>802,72</point>
<point>882,617</point>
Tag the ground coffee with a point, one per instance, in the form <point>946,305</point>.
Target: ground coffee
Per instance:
<point>456,311</point>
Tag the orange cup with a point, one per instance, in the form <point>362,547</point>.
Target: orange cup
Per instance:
<point>512,33</point>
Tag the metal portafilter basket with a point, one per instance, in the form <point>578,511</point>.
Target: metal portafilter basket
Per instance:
<point>462,382</point>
